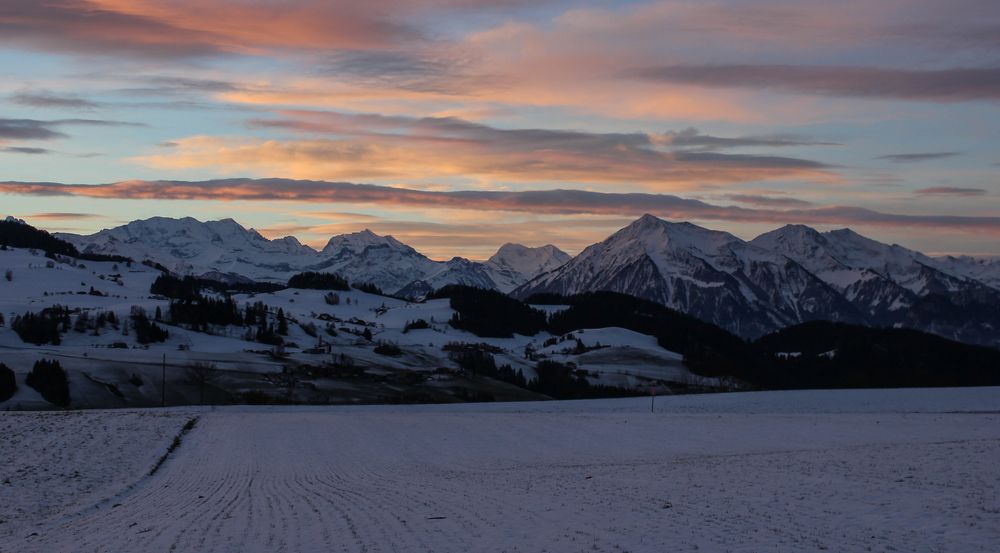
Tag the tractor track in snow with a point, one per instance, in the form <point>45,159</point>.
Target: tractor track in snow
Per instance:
<point>275,481</point>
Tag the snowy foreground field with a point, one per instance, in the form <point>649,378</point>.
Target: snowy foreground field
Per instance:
<point>896,470</point>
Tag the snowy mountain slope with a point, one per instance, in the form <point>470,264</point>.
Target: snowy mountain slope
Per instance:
<point>710,274</point>
<point>860,273</point>
<point>456,270</point>
<point>986,271</point>
<point>896,286</point>
<point>514,264</point>
<point>381,260</point>
<point>226,250</point>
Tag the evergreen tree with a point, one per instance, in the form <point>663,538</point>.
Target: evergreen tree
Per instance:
<point>8,383</point>
<point>146,331</point>
<point>282,323</point>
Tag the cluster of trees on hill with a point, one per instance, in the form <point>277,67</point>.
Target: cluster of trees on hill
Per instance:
<point>184,288</point>
<point>47,377</point>
<point>189,287</point>
<point>190,307</point>
<point>146,331</point>
<point>202,311</point>
<point>50,380</point>
<point>44,327</point>
<point>313,280</point>
<point>488,313</point>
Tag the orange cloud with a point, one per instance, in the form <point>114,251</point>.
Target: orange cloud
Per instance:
<point>251,27</point>
<point>185,28</point>
<point>368,146</point>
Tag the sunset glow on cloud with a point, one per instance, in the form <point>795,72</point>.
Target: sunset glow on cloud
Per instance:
<point>450,123</point>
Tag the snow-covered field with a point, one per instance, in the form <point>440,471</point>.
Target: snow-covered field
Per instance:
<point>888,470</point>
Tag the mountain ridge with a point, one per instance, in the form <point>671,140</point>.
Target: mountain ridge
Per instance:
<point>189,246</point>
<point>787,276</point>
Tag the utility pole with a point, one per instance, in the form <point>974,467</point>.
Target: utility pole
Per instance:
<point>163,381</point>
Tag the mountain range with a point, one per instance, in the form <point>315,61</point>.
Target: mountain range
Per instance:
<point>787,276</point>
<point>226,250</point>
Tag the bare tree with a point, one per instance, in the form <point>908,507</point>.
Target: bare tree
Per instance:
<point>202,374</point>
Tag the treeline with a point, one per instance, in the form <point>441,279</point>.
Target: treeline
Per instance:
<point>189,287</point>
<point>312,280</point>
<point>184,288</point>
<point>488,313</point>
<point>22,235</point>
<point>824,354</point>
<point>200,312</point>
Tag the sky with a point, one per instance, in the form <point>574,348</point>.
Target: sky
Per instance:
<point>459,125</point>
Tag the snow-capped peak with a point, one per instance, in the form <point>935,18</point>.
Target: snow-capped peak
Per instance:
<point>529,261</point>
<point>658,234</point>
<point>514,264</point>
<point>670,245</point>
<point>187,245</point>
<point>846,259</point>
<point>357,242</point>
